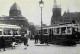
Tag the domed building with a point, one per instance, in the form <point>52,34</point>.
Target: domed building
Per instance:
<point>15,17</point>
<point>14,10</point>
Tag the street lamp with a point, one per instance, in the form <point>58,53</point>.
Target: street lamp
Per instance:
<point>41,4</point>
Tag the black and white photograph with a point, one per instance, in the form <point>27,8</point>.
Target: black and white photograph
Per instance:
<point>39,26</point>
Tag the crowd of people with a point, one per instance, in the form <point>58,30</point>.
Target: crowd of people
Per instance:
<point>45,39</point>
<point>24,39</point>
<point>13,42</point>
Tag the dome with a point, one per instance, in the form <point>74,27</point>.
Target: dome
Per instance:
<point>15,10</point>
<point>15,7</point>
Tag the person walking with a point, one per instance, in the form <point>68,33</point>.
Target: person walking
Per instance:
<point>3,45</point>
<point>25,41</point>
<point>36,38</point>
<point>46,40</point>
<point>13,42</point>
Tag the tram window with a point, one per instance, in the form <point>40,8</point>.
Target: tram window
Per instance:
<point>57,30</point>
<point>45,31</point>
<point>73,29</point>
<point>54,31</point>
<point>39,31</point>
<point>18,33</point>
<point>76,29</point>
<point>0,32</point>
<point>63,30</point>
<point>7,31</point>
<point>68,29</point>
<point>11,31</point>
<point>15,33</point>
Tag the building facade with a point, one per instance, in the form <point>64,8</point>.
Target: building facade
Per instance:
<point>15,17</point>
<point>71,17</point>
<point>67,17</point>
<point>55,19</point>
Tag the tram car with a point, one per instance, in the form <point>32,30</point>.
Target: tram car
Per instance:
<point>66,34</point>
<point>26,32</point>
<point>8,31</point>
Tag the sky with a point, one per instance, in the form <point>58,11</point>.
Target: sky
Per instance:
<point>31,10</point>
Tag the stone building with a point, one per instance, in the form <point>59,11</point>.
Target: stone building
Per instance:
<point>15,17</point>
<point>67,17</point>
<point>55,19</point>
<point>71,17</point>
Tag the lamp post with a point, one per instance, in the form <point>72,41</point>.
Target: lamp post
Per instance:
<point>41,4</point>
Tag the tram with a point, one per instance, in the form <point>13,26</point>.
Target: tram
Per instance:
<point>65,34</point>
<point>8,31</point>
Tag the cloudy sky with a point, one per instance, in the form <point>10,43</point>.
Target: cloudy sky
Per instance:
<point>31,10</point>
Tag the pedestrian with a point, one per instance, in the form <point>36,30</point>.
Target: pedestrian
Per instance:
<point>13,42</point>
<point>25,41</point>
<point>46,40</point>
<point>36,38</point>
<point>3,45</point>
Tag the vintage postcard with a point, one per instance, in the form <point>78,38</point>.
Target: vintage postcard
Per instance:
<point>39,26</point>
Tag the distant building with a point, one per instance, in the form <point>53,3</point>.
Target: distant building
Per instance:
<point>71,17</point>
<point>15,17</point>
<point>56,14</point>
<point>67,17</point>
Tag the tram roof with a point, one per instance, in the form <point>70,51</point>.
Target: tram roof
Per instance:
<point>63,25</point>
<point>58,26</point>
<point>9,26</point>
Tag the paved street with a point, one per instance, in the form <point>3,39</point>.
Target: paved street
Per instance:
<point>42,49</point>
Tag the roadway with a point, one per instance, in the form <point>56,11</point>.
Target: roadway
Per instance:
<point>42,49</point>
